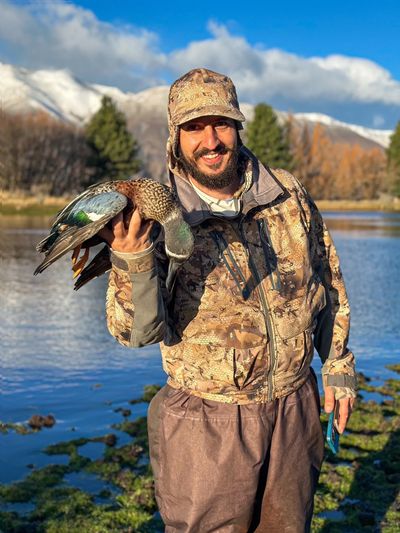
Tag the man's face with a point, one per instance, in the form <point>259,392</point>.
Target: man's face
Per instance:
<point>209,150</point>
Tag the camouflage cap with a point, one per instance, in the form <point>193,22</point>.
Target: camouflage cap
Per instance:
<point>199,93</point>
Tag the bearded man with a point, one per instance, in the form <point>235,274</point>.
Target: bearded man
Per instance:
<point>235,438</point>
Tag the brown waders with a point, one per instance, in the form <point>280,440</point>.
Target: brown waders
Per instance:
<point>236,468</point>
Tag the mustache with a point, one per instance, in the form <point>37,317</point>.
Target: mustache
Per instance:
<point>220,149</point>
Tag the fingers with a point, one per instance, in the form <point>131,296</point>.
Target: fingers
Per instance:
<point>138,227</point>
<point>128,233</point>
<point>329,399</point>
<point>345,409</point>
<point>118,226</point>
<point>344,413</point>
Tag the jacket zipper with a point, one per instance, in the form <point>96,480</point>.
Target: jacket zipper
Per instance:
<point>265,306</point>
<point>268,249</point>
<point>236,271</point>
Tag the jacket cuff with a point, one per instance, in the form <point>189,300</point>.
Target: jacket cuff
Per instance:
<point>134,262</point>
<point>344,392</point>
<point>340,374</point>
<point>341,381</point>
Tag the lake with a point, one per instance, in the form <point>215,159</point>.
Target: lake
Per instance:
<point>58,357</point>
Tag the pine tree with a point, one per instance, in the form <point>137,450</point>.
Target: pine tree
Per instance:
<point>268,140</point>
<point>114,148</point>
<point>393,153</point>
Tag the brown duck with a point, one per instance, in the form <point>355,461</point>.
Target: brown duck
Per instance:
<point>77,225</point>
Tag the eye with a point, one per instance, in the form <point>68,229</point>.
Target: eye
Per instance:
<point>192,126</point>
<point>222,124</point>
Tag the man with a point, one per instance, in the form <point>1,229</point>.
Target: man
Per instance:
<point>235,438</point>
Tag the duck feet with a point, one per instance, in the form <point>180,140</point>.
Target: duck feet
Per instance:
<point>78,264</point>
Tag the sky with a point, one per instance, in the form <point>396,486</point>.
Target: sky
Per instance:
<point>339,58</point>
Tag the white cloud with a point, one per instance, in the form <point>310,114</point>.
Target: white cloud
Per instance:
<point>262,73</point>
<point>62,35</point>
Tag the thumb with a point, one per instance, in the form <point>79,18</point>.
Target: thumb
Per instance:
<point>329,399</point>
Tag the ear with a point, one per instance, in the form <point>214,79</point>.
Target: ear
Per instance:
<point>176,146</point>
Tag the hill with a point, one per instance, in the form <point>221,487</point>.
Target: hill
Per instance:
<point>65,97</point>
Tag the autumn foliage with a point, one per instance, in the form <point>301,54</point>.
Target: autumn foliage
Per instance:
<point>41,155</point>
<point>336,171</point>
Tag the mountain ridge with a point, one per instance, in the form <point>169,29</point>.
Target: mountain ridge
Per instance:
<point>67,98</point>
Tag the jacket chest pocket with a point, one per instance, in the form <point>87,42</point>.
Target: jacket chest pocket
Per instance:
<point>295,320</point>
<point>294,316</point>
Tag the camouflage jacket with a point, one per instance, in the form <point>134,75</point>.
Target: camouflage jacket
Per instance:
<point>246,310</point>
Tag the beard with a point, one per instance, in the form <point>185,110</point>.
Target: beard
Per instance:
<point>214,181</point>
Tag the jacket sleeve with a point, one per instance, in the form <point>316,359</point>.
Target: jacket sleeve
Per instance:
<point>135,306</point>
<point>333,325</point>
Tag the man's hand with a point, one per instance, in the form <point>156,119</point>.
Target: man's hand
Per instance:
<point>129,235</point>
<point>345,407</point>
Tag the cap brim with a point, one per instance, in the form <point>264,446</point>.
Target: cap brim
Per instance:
<point>218,111</point>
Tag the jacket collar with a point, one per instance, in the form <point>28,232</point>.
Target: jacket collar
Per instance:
<point>263,190</point>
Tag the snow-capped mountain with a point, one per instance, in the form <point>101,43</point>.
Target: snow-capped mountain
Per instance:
<point>381,137</point>
<point>66,98</point>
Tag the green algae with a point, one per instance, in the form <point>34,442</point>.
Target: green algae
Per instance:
<point>21,429</point>
<point>395,368</point>
<point>149,391</point>
<point>358,489</point>
<point>363,479</point>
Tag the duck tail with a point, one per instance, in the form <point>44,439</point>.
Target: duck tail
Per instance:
<point>45,244</point>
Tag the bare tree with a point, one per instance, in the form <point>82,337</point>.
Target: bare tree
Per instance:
<point>40,154</point>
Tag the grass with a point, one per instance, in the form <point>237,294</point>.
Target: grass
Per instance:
<point>389,205</point>
<point>358,489</point>
<point>44,205</point>
<point>30,205</point>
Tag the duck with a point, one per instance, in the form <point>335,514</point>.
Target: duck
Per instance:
<point>77,225</point>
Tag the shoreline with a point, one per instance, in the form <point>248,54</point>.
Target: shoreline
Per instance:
<point>43,205</point>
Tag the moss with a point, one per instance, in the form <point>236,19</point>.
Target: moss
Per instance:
<point>34,484</point>
<point>137,429</point>
<point>149,392</point>
<point>365,487</point>
<point>66,448</point>
<point>21,429</point>
<point>395,368</point>
<point>361,482</point>
<point>12,523</point>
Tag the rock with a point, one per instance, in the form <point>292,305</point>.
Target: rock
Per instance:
<point>110,439</point>
<point>40,421</point>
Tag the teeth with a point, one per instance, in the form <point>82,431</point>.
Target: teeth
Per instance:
<point>211,156</point>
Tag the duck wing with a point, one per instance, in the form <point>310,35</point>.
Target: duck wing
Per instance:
<point>79,221</point>
<point>81,202</point>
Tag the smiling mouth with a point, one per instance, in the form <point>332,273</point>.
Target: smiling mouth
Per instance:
<point>212,158</point>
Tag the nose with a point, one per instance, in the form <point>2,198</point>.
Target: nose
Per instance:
<point>210,139</point>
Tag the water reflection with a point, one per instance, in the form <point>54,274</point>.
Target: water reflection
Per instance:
<point>47,324</point>
<point>55,348</point>
<point>367,224</point>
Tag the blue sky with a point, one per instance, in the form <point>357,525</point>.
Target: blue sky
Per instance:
<point>338,58</point>
<point>355,28</point>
